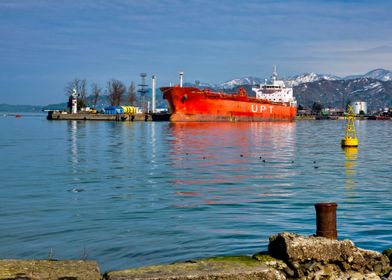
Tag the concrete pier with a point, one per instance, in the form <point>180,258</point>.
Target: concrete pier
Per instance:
<point>58,115</point>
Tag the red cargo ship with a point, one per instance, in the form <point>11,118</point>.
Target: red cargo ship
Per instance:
<point>272,102</point>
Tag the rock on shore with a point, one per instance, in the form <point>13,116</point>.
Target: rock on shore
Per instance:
<point>320,258</point>
<point>48,269</point>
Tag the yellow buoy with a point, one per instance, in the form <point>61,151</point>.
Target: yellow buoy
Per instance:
<point>351,137</point>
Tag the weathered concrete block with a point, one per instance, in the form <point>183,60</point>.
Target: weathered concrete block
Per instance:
<point>234,268</point>
<point>298,248</point>
<point>46,269</point>
<point>310,255</point>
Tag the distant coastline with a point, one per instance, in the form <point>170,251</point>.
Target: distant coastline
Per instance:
<point>8,108</point>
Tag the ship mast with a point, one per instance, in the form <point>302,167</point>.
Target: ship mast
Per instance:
<point>153,94</point>
<point>181,74</point>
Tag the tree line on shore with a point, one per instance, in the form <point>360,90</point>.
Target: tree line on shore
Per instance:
<point>116,91</point>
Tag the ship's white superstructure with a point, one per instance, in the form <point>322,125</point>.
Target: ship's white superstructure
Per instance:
<point>275,90</point>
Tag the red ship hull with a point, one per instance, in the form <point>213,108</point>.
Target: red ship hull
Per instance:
<point>193,104</point>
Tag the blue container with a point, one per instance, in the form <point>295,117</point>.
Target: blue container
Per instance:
<point>112,110</point>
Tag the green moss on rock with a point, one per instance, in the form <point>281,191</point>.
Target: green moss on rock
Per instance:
<point>264,257</point>
<point>246,260</point>
<point>225,268</point>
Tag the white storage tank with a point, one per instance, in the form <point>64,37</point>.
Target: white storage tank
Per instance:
<point>359,106</point>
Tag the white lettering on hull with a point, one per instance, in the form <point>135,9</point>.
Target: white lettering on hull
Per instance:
<point>260,109</point>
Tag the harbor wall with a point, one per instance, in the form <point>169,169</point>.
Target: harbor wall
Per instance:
<point>57,115</point>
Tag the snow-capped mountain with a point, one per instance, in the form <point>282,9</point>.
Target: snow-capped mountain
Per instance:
<point>308,78</point>
<point>376,74</point>
<point>379,74</point>
<point>249,81</point>
<point>352,77</point>
<point>292,81</point>
<point>377,93</point>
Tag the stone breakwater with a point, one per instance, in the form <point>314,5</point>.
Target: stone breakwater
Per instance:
<point>289,256</point>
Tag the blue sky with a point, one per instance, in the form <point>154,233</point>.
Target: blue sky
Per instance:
<point>47,43</point>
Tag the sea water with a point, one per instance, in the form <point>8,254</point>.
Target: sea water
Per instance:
<point>132,194</point>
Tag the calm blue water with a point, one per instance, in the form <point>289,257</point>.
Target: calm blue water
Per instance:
<point>133,194</point>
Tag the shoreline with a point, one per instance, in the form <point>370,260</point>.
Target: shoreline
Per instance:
<point>289,256</point>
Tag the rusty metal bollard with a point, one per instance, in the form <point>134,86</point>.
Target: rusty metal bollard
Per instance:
<point>326,220</point>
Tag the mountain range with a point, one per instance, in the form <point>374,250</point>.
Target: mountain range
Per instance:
<point>338,93</point>
<point>376,74</point>
<point>374,87</point>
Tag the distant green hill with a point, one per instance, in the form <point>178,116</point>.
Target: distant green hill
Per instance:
<point>31,108</point>
<point>20,108</point>
<point>58,106</point>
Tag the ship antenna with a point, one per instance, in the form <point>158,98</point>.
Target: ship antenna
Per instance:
<point>274,74</point>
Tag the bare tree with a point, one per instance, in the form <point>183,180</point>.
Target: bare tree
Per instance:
<point>81,88</point>
<point>116,90</point>
<point>95,93</point>
<point>131,98</point>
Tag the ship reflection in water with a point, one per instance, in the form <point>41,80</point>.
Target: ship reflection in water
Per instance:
<point>219,161</point>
